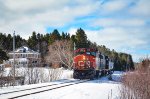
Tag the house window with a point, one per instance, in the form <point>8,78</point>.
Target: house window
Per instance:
<point>23,55</point>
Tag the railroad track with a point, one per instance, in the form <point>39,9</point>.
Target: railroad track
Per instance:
<point>34,88</point>
<point>40,89</point>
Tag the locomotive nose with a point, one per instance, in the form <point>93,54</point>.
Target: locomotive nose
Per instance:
<point>83,58</point>
<point>82,62</point>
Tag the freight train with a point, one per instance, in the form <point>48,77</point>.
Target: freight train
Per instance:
<point>89,63</point>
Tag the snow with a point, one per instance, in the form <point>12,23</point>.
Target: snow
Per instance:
<point>39,74</point>
<point>90,90</point>
<point>117,75</point>
<point>6,71</point>
<point>66,74</point>
<point>22,48</point>
<point>95,89</point>
<point>19,59</point>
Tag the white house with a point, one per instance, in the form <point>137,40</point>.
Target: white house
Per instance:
<point>24,56</point>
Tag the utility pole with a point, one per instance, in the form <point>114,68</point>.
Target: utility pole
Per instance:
<point>74,46</point>
<point>14,58</point>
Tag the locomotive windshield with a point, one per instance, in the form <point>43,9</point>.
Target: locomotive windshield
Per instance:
<point>93,53</point>
<point>85,51</point>
<point>81,51</point>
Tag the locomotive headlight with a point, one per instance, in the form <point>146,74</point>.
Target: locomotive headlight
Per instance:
<point>83,57</point>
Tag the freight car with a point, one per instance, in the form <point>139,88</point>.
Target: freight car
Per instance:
<point>89,63</point>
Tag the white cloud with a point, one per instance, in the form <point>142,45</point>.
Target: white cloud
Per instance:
<point>112,6</point>
<point>28,5</point>
<point>109,22</point>
<point>72,31</point>
<point>26,16</point>
<point>141,8</point>
<point>116,38</point>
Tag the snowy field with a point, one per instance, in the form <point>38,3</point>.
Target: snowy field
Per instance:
<point>95,89</point>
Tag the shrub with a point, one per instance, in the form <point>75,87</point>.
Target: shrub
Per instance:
<point>136,84</point>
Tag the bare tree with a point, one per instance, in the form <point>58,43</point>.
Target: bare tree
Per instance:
<point>136,84</point>
<point>54,74</point>
<point>60,52</point>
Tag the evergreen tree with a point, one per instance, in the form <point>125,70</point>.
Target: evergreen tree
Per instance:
<point>39,39</point>
<point>73,40</point>
<point>18,41</point>
<point>81,39</point>
<point>130,62</point>
<point>32,41</point>
<point>54,36</point>
<point>3,56</point>
<point>67,36</point>
<point>63,36</point>
<point>9,42</point>
<point>6,42</point>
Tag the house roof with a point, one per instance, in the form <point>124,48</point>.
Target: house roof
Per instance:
<point>24,49</point>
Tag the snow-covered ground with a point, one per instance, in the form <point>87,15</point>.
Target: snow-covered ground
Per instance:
<point>38,74</point>
<point>96,89</point>
<point>117,76</point>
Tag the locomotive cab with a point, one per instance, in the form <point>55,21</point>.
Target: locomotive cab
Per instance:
<point>84,63</point>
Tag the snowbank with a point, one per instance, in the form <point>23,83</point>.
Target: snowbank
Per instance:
<point>67,74</point>
<point>38,74</point>
<point>117,75</point>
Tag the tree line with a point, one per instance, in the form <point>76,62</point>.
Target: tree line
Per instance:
<point>46,45</point>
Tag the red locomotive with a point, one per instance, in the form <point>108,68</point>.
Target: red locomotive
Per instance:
<point>89,63</point>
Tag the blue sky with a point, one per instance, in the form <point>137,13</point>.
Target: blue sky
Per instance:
<point>123,25</point>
